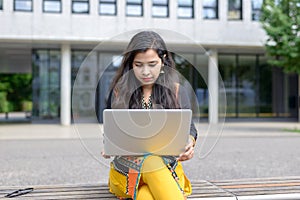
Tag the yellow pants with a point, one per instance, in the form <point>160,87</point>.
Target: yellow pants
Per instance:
<point>156,182</point>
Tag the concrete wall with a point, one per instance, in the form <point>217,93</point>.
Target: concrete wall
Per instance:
<point>38,26</point>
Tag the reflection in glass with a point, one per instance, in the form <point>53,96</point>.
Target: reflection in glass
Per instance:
<point>227,68</point>
<point>108,7</point>
<point>256,9</point>
<point>52,6</point>
<point>209,14</point>
<point>77,58</point>
<point>185,2</point>
<point>46,84</point>
<point>160,8</point>
<point>246,87</point>
<point>185,9</point>
<point>185,12</point>
<point>209,3</point>
<point>135,1</point>
<point>200,78</point>
<point>23,5</point>
<point>234,9</point>
<point>265,88</point>
<point>134,10</point>
<point>80,6</point>
<point>159,11</point>
<point>210,9</point>
<point>249,87</point>
<point>162,2</point>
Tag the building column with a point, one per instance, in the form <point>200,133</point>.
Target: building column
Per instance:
<point>213,86</point>
<point>65,85</point>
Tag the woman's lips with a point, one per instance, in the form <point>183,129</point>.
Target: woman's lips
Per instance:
<point>147,79</point>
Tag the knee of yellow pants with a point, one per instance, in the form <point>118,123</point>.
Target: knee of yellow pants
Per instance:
<point>152,163</point>
<point>144,193</point>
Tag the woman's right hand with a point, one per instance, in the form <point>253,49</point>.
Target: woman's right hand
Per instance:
<point>104,156</point>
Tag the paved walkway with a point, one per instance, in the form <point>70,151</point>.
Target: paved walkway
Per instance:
<point>231,129</point>
<point>39,154</point>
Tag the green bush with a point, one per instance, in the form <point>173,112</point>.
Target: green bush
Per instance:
<point>16,89</point>
<point>26,106</point>
<point>4,105</point>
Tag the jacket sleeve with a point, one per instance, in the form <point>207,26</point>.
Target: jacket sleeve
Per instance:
<point>184,102</point>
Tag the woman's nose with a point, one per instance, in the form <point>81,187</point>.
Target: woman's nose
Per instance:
<point>146,70</point>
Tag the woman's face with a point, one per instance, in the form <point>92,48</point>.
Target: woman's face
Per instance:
<point>147,66</point>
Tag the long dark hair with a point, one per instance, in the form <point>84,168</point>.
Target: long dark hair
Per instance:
<point>127,89</point>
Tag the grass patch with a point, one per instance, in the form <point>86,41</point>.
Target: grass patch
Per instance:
<point>294,130</point>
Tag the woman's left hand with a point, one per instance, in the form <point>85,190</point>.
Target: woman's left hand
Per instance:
<point>189,152</point>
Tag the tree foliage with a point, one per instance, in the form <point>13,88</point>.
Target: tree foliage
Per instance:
<point>15,90</point>
<point>281,21</point>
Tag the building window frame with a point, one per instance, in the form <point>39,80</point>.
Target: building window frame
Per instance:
<point>82,2</point>
<point>108,3</point>
<point>160,5</point>
<point>184,6</point>
<point>24,9</point>
<point>235,12</point>
<point>135,3</point>
<point>256,9</point>
<point>52,11</point>
<point>214,8</point>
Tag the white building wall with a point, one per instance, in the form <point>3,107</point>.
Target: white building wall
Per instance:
<point>38,26</point>
<point>37,29</point>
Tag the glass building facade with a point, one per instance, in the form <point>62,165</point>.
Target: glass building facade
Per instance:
<point>253,88</point>
<point>46,84</point>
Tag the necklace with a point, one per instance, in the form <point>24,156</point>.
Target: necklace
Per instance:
<point>147,105</point>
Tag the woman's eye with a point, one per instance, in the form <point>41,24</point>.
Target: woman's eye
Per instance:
<point>138,65</point>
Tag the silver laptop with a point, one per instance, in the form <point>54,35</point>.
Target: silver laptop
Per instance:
<point>140,131</point>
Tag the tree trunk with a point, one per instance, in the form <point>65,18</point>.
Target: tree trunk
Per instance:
<point>298,103</point>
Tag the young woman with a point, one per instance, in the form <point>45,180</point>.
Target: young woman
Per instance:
<point>147,79</point>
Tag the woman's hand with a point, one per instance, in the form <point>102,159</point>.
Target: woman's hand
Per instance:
<point>189,151</point>
<point>104,156</point>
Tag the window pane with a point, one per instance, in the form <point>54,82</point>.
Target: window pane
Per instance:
<point>46,83</point>
<point>52,6</point>
<point>1,4</point>
<point>234,4</point>
<point>256,15</point>
<point>234,9</point>
<point>135,1</point>
<point>107,9</point>
<point>209,3</point>
<point>23,5</point>
<point>234,15</point>
<point>80,7</point>
<point>256,4</point>
<point>209,13</point>
<point>161,2</point>
<point>185,2</point>
<point>134,10</point>
<point>185,12</point>
<point>200,75</point>
<point>246,86</point>
<point>227,68</point>
<point>159,11</point>
<point>265,88</point>
<point>256,9</point>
